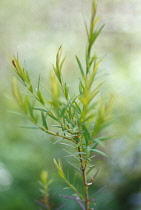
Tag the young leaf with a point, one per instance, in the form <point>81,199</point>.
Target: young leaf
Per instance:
<point>66,90</point>
<point>40,97</point>
<point>98,32</point>
<point>16,91</point>
<point>18,68</point>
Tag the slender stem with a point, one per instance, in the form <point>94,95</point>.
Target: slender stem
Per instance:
<point>50,132</point>
<point>83,169</point>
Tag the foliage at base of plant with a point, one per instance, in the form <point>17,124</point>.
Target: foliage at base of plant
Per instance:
<point>78,119</point>
<point>46,198</point>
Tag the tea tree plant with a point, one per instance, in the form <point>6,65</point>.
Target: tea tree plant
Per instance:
<point>78,119</point>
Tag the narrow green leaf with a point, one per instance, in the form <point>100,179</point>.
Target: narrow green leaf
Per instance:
<point>27,78</point>
<point>44,120</point>
<point>57,126</point>
<point>80,66</point>
<point>31,111</point>
<point>96,34</point>
<point>95,145</point>
<point>38,83</point>
<point>94,72</point>
<point>86,134</point>
<point>57,73</point>
<point>62,62</point>
<point>73,165</point>
<point>75,108</point>
<point>31,88</point>
<point>80,153</point>
<point>40,97</point>
<point>104,138</point>
<point>90,168</point>
<point>16,92</point>
<point>66,89</point>
<point>63,110</point>
<point>99,152</point>
<point>81,88</point>
<point>53,117</point>
<point>93,94</point>
<point>69,120</point>
<point>78,108</point>
<point>99,30</point>
<point>29,127</point>
<point>28,81</point>
<point>19,68</point>
<point>40,109</point>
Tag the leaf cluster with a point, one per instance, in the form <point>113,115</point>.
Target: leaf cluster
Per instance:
<point>79,118</point>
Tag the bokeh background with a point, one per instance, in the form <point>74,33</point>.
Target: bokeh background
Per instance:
<point>35,29</point>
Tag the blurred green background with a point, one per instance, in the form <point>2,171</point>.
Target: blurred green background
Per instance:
<point>35,29</point>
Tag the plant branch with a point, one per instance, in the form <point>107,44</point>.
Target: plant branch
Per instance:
<point>83,169</point>
<point>52,133</point>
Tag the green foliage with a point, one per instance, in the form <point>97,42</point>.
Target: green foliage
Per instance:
<point>45,183</point>
<point>62,175</point>
<point>80,118</point>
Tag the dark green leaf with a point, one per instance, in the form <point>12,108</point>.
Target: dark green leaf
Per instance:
<point>44,120</point>
<point>53,117</point>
